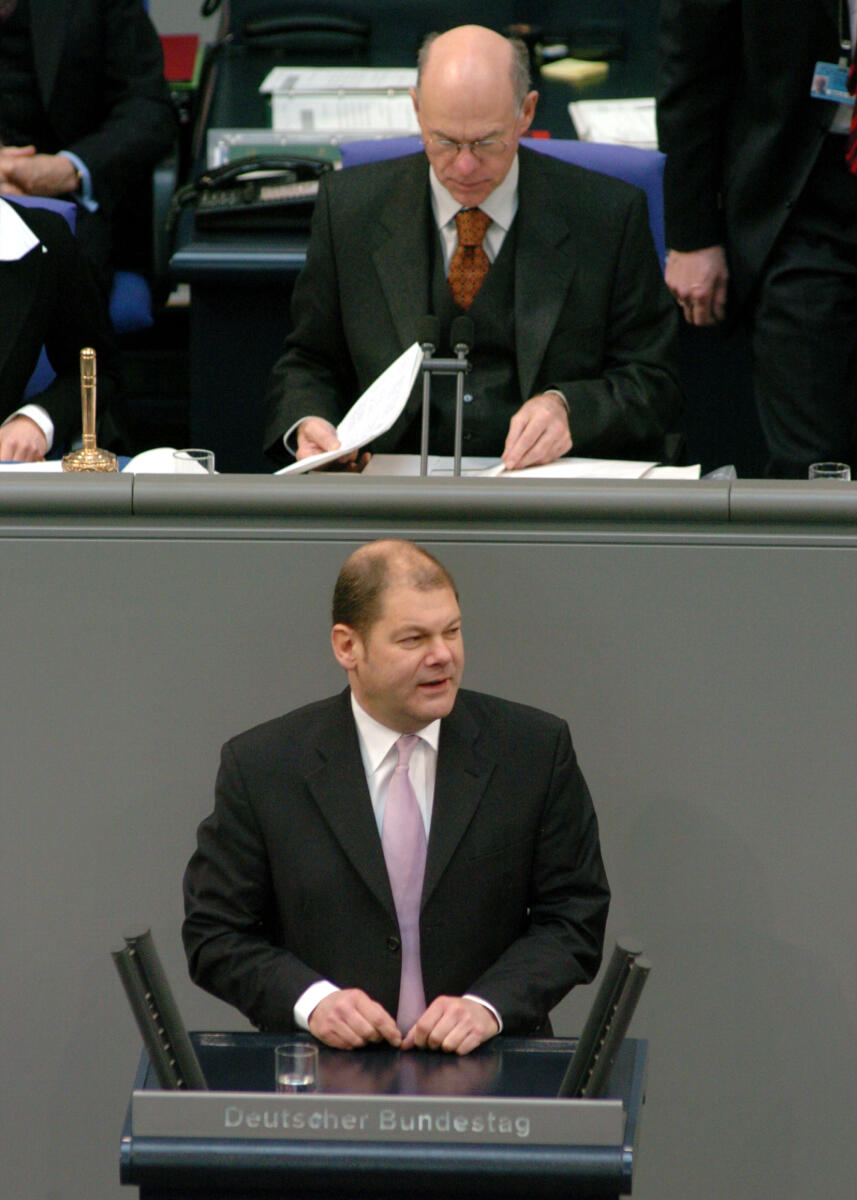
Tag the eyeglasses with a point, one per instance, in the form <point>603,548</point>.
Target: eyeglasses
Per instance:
<point>490,147</point>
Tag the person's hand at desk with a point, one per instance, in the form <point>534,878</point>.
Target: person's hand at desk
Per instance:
<point>454,1024</point>
<point>317,436</point>
<point>538,432</point>
<point>21,440</point>
<point>348,1019</point>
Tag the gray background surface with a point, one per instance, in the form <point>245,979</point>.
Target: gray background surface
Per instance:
<point>707,674</point>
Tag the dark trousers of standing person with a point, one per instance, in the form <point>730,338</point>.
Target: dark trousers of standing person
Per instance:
<point>805,326</point>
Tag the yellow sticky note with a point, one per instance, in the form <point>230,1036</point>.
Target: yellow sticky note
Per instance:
<point>576,70</point>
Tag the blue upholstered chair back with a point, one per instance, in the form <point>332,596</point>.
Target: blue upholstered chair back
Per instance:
<point>643,168</point>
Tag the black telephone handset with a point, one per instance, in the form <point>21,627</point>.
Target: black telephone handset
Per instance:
<point>262,192</point>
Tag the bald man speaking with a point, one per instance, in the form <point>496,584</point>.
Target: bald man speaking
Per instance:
<point>555,265</point>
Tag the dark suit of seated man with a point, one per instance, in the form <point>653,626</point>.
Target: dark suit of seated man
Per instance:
<point>311,902</point>
<point>85,114</point>
<point>574,328</point>
<point>48,296</point>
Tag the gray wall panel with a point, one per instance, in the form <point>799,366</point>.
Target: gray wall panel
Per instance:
<point>710,688</point>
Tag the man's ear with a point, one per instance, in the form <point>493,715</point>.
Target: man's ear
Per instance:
<point>528,111</point>
<point>346,644</point>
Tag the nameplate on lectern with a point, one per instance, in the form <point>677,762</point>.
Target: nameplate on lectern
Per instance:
<point>318,1117</point>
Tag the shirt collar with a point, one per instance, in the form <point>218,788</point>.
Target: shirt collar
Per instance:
<point>500,205</point>
<point>378,740</point>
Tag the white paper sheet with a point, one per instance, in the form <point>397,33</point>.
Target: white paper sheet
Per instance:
<point>335,79</point>
<point>363,113</point>
<point>621,122</point>
<point>16,237</point>
<point>563,468</point>
<point>41,467</point>
<point>373,414</point>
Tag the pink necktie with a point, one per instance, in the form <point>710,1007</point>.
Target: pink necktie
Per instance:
<point>403,838</point>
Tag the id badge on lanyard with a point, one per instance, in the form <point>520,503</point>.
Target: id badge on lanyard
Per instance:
<point>830,80</point>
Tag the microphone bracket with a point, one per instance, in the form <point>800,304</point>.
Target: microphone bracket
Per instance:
<point>444,366</point>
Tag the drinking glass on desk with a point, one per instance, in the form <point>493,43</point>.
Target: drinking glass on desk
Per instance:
<point>193,462</point>
<point>829,470</point>
<point>296,1063</point>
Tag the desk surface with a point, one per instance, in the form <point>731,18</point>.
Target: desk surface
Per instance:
<point>504,1070</point>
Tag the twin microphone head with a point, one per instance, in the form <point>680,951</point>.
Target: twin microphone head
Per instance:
<point>461,335</point>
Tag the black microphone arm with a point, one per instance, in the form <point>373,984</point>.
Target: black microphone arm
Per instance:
<point>605,1028</point>
<point>157,1014</point>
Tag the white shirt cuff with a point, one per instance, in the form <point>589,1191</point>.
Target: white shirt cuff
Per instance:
<point>307,1001</point>
<point>557,392</point>
<point>36,413</point>
<point>293,450</point>
<point>84,196</point>
<point>490,1007</point>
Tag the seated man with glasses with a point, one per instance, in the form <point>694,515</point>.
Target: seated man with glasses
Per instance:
<point>574,328</point>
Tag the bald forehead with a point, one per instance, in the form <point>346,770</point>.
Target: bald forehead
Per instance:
<point>468,60</point>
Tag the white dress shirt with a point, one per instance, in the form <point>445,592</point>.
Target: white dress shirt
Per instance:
<point>500,205</point>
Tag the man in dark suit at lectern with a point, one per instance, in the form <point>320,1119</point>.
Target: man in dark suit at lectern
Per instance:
<point>404,862</point>
<point>554,264</point>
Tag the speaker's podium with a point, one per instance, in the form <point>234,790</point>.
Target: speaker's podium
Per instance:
<point>384,1124</point>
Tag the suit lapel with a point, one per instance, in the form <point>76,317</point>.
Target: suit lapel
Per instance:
<point>50,18</point>
<point>544,266</point>
<point>338,785</point>
<point>460,783</point>
<point>399,251</point>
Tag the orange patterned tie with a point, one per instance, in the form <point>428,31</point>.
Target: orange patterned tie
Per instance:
<point>470,264</point>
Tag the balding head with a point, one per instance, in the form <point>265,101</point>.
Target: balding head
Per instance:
<point>397,634</point>
<point>473,106</point>
<point>474,51</point>
<point>358,597</point>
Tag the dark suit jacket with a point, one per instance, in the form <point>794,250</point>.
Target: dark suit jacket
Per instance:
<point>288,884</point>
<point>737,122</point>
<point>592,315</point>
<point>100,71</point>
<point>50,297</point>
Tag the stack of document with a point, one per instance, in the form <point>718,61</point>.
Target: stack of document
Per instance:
<point>620,122</point>
<point>342,103</point>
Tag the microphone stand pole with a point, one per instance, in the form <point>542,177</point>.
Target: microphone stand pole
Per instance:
<point>428,351</point>
<point>429,335</point>
<point>461,349</point>
<point>462,338</point>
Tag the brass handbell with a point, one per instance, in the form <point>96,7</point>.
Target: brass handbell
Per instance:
<point>89,457</point>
